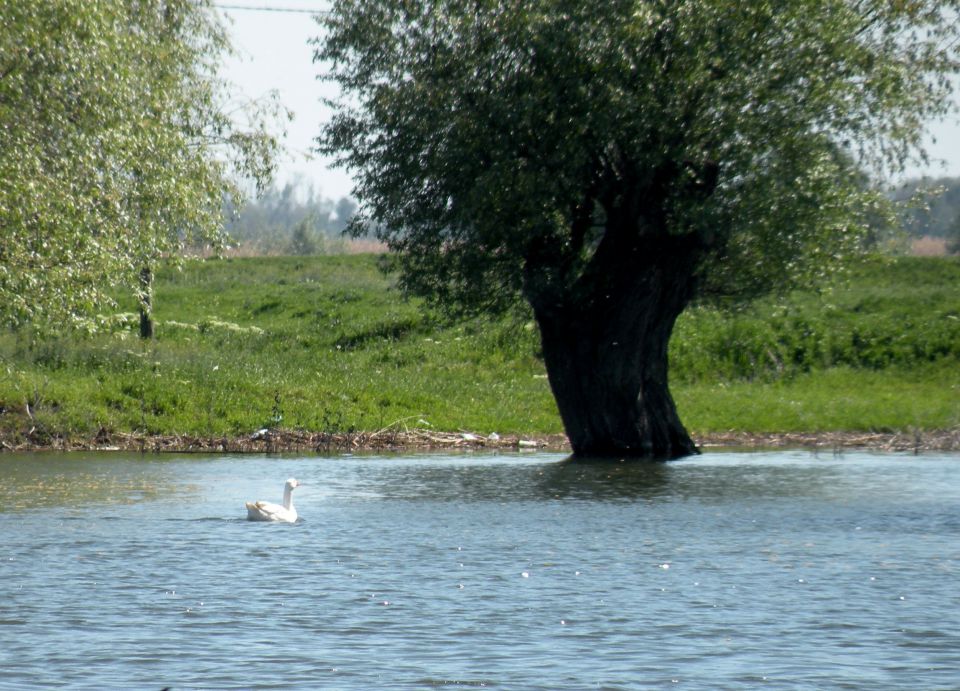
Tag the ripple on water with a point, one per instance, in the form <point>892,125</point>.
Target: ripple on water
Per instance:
<point>511,572</point>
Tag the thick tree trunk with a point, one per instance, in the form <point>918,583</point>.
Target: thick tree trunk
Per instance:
<point>605,348</point>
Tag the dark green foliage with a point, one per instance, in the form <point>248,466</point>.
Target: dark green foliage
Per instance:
<point>494,142</point>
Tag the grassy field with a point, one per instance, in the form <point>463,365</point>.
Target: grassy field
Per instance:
<point>325,344</point>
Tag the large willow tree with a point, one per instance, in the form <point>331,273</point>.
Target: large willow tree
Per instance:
<point>608,161</point>
<point>117,147</point>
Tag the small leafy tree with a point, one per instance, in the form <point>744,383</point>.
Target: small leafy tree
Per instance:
<point>303,238</point>
<point>610,161</point>
<point>116,148</point>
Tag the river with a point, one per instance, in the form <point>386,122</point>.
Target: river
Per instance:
<point>779,570</point>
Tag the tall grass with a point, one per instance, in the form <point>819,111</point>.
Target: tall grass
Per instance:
<point>886,314</point>
<point>836,399</point>
<point>322,344</point>
<point>327,344</point>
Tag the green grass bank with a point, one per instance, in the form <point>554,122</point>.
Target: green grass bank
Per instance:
<point>325,344</point>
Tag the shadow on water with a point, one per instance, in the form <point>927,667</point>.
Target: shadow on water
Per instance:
<point>695,477</point>
<point>506,482</point>
<point>604,480</point>
<point>505,479</point>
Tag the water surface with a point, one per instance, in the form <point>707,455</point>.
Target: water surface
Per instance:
<point>774,570</point>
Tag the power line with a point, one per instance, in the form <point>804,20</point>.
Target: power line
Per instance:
<point>251,8</point>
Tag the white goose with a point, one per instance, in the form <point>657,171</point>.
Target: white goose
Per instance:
<point>265,511</point>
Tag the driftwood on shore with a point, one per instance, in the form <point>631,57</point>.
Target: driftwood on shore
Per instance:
<point>404,439</point>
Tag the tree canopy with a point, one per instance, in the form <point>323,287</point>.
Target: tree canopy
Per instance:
<point>118,145</point>
<point>479,129</point>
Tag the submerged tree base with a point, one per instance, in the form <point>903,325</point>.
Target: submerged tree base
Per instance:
<point>394,440</point>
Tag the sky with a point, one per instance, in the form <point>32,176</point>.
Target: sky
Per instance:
<point>273,54</point>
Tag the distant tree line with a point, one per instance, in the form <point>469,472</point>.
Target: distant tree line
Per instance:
<point>937,211</point>
<point>297,219</point>
<point>292,219</point>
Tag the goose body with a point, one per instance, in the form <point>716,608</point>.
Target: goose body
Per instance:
<point>265,511</point>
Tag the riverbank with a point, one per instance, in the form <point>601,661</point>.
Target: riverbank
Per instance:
<point>406,440</point>
<point>327,344</point>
